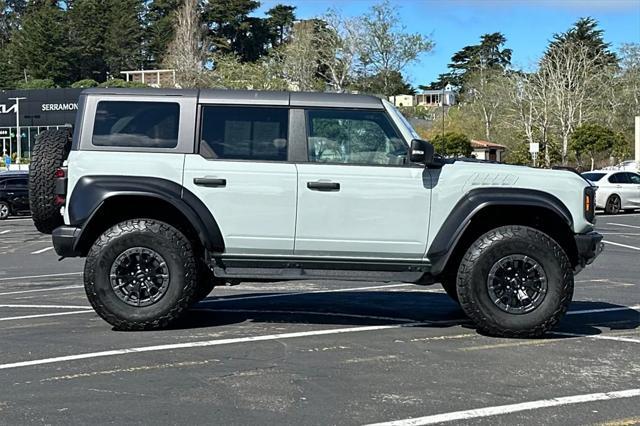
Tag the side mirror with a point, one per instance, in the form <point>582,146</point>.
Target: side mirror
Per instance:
<point>421,152</point>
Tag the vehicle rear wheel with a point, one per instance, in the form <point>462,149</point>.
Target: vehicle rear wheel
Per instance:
<point>515,281</point>
<point>49,153</point>
<point>5,210</point>
<point>141,274</point>
<point>613,205</point>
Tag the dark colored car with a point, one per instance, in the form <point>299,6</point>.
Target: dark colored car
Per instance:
<point>14,193</point>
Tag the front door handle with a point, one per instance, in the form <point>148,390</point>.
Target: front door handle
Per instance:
<point>323,186</point>
<point>210,182</point>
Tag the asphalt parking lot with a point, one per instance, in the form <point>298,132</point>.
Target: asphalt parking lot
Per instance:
<point>314,353</point>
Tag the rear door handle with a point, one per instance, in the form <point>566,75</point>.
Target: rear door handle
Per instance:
<point>210,182</point>
<point>323,186</point>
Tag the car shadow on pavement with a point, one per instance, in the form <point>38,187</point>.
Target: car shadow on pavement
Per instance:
<point>362,308</point>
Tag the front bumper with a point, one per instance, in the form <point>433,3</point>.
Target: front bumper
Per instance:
<point>589,246</point>
<point>65,240</point>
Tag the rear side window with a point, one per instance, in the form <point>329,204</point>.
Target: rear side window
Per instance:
<point>17,183</point>
<point>244,133</point>
<point>136,124</point>
<point>619,178</point>
<point>593,177</point>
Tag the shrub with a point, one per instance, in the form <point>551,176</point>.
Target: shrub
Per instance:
<point>118,82</point>
<point>84,84</point>
<point>36,84</point>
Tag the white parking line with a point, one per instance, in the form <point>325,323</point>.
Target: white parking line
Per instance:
<point>621,245</point>
<point>596,311</point>
<point>598,336</point>
<point>623,224</point>
<point>5,232</point>
<point>207,343</point>
<point>42,251</point>
<point>57,314</point>
<point>512,408</point>
<point>46,306</point>
<point>67,287</point>
<point>320,313</point>
<point>40,276</point>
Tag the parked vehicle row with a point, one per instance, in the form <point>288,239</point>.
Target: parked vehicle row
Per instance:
<point>14,194</point>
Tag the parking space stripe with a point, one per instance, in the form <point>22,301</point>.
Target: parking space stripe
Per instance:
<point>56,314</point>
<point>320,313</point>
<point>5,232</point>
<point>27,277</point>
<point>623,224</point>
<point>512,408</point>
<point>621,245</point>
<point>207,343</point>
<point>42,251</point>
<point>66,287</point>
<point>598,336</point>
<point>596,311</point>
<point>46,306</point>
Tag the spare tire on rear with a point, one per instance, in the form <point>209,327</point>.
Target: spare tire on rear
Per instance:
<point>49,153</point>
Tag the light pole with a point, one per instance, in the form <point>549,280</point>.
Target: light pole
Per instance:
<point>442,102</point>
<point>18,135</point>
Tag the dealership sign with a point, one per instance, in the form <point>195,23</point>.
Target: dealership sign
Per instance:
<point>60,107</point>
<point>6,110</point>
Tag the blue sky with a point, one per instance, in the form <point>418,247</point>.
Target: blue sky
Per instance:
<point>453,24</point>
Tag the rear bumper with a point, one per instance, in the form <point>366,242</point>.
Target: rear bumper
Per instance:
<point>65,239</point>
<point>589,246</point>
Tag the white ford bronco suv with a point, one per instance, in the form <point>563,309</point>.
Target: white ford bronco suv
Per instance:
<point>168,193</point>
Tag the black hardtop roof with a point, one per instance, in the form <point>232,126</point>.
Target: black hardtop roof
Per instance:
<point>253,97</point>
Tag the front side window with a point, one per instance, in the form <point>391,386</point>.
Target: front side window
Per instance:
<point>136,124</point>
<point>244,133</point>
<point>353,137</point>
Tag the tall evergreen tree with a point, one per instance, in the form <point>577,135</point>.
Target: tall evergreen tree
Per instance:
<point>41,47</point>
<point>280,19</point>
<point>124,36</point>
<point>89,20</point>
<point>232,30</point>
<point>159,28</point>
<point>586,32</point>
<point>10,14</point>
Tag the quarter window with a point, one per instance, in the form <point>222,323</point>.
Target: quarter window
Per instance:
<point>244,133</point>
<point>353,137</point>
<point>136,124</point>
<point>635,179</point>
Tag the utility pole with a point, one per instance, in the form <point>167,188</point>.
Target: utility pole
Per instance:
<point>18,135</point>
<point>442,102</point>
<point>638,142</point>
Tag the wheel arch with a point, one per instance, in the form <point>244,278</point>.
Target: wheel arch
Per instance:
<point>484,209</point>
<point>98,202</point>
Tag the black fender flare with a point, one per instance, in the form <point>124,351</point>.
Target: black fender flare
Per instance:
<point>472,203</point>
<point>91,192</point>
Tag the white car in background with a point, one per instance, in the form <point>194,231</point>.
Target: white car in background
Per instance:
<point>617,190</point>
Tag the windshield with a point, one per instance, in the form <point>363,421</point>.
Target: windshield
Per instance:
<point>593,177</point>
<point>398,115</point>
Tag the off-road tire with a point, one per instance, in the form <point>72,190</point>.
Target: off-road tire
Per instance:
<point>176,250</point>
<point>493,246</point>
<point>613,204</point>
<point>49,153</point>
<point>5,210</point>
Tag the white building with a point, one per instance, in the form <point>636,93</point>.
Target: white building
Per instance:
<point>427,98</point>
<point>483,150</point>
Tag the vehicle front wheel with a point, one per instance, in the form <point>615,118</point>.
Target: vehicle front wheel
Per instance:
<point>5,210</point>
<point>141,274</point>
<point>515,281</point>
<point>613,205</point>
